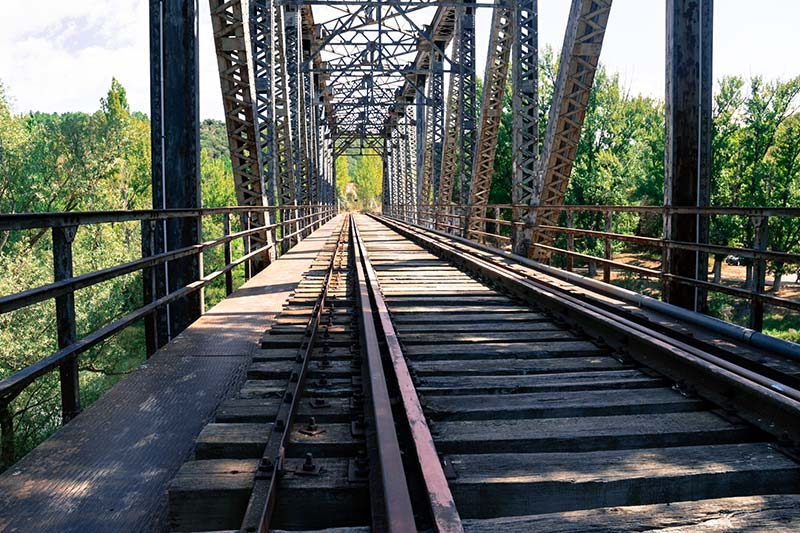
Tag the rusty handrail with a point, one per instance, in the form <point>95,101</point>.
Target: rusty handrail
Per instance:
<point>11,386</point>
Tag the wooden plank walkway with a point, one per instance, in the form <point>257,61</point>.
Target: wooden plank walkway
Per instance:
<point>108,469</point>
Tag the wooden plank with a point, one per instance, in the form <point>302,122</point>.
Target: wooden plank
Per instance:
<point>280,370</point>
<point>257,388</point>
<point>559,404</point>
<point>263,410</point>
<point>493,485</point>
<point>541,349</point>
<point>547,332</point>
<point>244,441</point>
<point>497,367</point>
<point>337,352</point>
<point>437,296</point>
<point>455,307</point>
<point>589,433</point>
<point>212,495</point>
<point>567,381</point>
<point>754,514</point>
<point>428,317</point>
<point>269,342</point>
<point>473,327</point>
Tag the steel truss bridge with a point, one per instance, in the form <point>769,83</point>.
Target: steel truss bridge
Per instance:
<point>364,353</point>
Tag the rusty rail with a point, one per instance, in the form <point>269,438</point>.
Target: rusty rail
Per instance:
<point>439,498</point>
<point>399,513</point>
<point>263,498</point>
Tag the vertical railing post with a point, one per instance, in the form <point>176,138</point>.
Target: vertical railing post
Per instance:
<point>65,322</point>
<point>285,244</point>
<point>149,287</point>
<point>570,240</point>
<point>226,228</point>
<point>498,241</point>
<point>246,243</point>
<point>607,247</point>
<point>200,267</point>
<point>761,226</point>
<point>7,438</point>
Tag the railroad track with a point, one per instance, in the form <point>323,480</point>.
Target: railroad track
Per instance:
<point>398,392</point>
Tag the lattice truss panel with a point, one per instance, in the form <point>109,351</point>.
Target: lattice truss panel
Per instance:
<point>582,44</point>
<point>232,42</point>
<point>500,42</point>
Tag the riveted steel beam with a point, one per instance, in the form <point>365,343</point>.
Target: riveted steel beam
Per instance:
<point>583,42</point>
<point>491,112</point>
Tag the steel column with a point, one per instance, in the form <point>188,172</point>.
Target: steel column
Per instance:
<point>175,143</point>
<point>525,111</point>
<point>687,167</point>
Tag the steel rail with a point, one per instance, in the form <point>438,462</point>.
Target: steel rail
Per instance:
<point>396,497</point>
<point>440,500</point>
<point>766,403</point>
<point>263,498</point>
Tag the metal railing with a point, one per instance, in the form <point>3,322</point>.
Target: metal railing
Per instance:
<point>296,222</point>
<point>506,219</point>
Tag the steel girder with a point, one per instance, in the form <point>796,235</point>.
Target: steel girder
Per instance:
<point>452,136</point>
<point>376,55</point>
<point>234,59</point>
<point>284,151</point>
<point>468,105</point>
<point>409,146</point>
<point>293,53</point>
<point>579,59</point>
<point>436,105</point>
<point>491,112</point>
<point>459,141</point>
<point>525,107</point>
<point>261,32</point>
<point>421,136</point>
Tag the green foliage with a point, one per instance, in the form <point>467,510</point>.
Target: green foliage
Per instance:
<point>77,162</point>
<point>359,182</point>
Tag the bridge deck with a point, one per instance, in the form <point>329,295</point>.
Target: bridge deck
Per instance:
<point>107,470</point>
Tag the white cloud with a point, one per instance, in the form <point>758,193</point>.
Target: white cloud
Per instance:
<point>60,56</point>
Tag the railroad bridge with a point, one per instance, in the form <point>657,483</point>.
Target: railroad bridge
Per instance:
<point>443,365</point>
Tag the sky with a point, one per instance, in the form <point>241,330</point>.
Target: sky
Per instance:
<point>59,56</point>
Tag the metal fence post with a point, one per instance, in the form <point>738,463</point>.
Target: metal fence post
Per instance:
<point>570,241</point>
<point>226,228</point>
<point>65,322</point>
<point>246,243</point>
<point>7,439</point>
<point>200,267</point>
<point>607,247</point>
<point>149,289</point>
<point>761,225</point>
